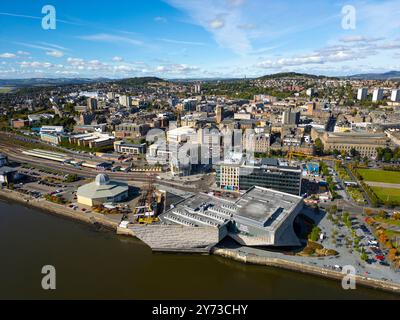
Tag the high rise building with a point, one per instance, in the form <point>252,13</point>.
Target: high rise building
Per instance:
<point>125,101</point>
<point>395,95</point>
<point>378,95</point>
<point>362,94</point>
<point>91,104</point>
<point>197,88</point>
<point>219,114</point>
<point>310,92</point>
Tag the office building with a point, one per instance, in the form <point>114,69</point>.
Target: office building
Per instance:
<point>92,140</point>
<point>125,101</point>
<point>238,174</point>
<point>362,94</point>
<point>91,104</point>
<point>378,95</point>
<point>219,114</point>
<point>257,142</point>
<point>197,88</point>
<point>52,130</point>
<point>364,143</point>
<point>310,92</point>
<point>50,138</point>
<point>129,148</point>
<point>290,117</point>
<point>395,95</point>
<point>131,130</point>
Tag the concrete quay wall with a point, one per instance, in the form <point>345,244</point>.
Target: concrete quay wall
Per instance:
<point>91,218</point>
<point>299,267</point>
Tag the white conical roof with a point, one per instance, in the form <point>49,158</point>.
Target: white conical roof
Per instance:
<point>102,179</point>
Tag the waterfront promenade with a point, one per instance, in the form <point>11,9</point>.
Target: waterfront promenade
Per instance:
<point>389,281</point>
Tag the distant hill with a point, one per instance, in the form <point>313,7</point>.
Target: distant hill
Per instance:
<point>391,75</point>
<point>41,82</point>
<point>292,75</point>
<point>132,82</point>
<point>49,82</point>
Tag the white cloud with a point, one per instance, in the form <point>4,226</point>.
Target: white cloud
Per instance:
<point>36,64</point>
<point>325,55</point>
<point>176,69</point>
<point>247,26</point>
<point>23,53</point>
<point>236,3</point>
<point>8,55</point>
<point>105,37</point>
<point>221,18</point>
<point>160,19</point>
<point>190,43</point>
<point>55,54</point>
<point>217,24</point>
<point>75,62</point>
<point>352,39</point>
<point>52,45</point>
<point>117,59</point>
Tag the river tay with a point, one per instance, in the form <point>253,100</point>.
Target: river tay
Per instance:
<point>96,264</point>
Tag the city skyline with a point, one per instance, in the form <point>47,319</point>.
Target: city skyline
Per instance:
<point>198,39</point>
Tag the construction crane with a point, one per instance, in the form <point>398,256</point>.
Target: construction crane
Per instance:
<point>146,211</point>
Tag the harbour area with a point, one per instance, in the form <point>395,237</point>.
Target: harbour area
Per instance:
<point>130,270</point>
<point>191,215</point>
<point>266,258</point>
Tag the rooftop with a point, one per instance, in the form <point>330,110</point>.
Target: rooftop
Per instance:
<point>266,207</point>
<point>259,207</point>
<point>102,187</point>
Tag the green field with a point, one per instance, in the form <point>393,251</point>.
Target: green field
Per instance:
<point>6,89</point>
<point>387,194</point>
<point>380,176</point>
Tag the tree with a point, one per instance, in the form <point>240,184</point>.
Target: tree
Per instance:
<point>319,147</point>
<point>364,256</point>
<point>354,153</point>
<point>314,235</point>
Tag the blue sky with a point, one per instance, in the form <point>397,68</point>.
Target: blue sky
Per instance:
<point>197,38</point>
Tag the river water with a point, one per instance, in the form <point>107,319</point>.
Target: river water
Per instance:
<point>97,264</point>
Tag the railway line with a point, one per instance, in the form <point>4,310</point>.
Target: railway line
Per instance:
<point>15,154</point>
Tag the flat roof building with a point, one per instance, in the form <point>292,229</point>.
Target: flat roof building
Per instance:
<point>52,130</point>
<point>364,143</point>
<point>260,217</point>
<point>129,148</point>
<point>240,174</point>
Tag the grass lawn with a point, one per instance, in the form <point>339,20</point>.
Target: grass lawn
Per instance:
<point>356,195</point>
<point>380,176</point>
<point>386,194</point>
<point>6,89</point>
